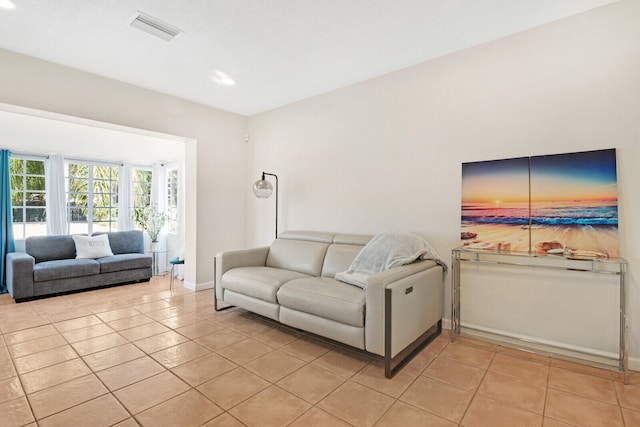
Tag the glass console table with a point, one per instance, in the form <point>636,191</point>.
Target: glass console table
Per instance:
<point>616,266</point>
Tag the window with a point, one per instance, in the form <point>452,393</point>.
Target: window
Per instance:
<point>172,200</point>
<point>141,187</point>
<point>28,197</point>
<point>91,189</point>
<point>92,197</point>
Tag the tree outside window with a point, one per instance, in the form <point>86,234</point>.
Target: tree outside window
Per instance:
<point>141,187</point>
<point>92,198</point>
<point>105,198</point>
<point>28,198</point>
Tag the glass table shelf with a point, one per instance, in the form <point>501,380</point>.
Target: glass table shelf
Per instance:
<point>158,258</point>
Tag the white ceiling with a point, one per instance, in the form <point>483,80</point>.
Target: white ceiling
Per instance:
<point>277,51</point>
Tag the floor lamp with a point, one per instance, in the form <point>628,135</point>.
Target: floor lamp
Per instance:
<point>263,189</point>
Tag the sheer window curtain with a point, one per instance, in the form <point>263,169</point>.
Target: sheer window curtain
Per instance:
<point>55,195</point>
<point>159,198</point>
<point>125,199</point>
<point>6,216</point>
<point>159,192</point>
<point>182,226</point>
<point>159,186</point>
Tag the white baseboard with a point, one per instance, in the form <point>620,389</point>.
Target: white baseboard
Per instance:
<point>446,323</point>
<point>634,362</point>
<point>198,286</point>
<point>601,358</point>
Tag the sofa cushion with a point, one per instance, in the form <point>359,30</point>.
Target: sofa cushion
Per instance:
<point>325,297</point>
<point>258,282</point>
<point>124,262</point>
<point>339,258</point>
<point>352,239</point>
<point>65,268</point>
<point>297,255</point>
<point>50,248</point>
<point>125,242</point>
<point>311,236</point>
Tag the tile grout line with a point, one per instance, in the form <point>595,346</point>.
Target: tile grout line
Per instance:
<point>275,382</point>
<point>193,304</point>
<point>620,408</point>
<point>397,399</point>
<point>26,395</point>
<point>191,388</point>
<point>214,351</point>
<point>33,415</point>
<point>418,376</point>
<point>132,416</point>
<point>475,392</point>
<point>546,393</point>
<point>94,373</point>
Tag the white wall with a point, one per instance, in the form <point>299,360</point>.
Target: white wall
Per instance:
<point>387,153</point>
<point>26,131</point>
<point>215,162</point>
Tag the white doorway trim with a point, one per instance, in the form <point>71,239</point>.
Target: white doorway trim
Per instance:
<point>187,227</point>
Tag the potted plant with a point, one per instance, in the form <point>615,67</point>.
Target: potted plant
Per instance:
<point>151,220</point>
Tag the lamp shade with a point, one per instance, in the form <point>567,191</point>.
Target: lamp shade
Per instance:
<point>262,188</point>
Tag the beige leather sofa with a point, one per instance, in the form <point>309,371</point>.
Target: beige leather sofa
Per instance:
<point>292,281</point>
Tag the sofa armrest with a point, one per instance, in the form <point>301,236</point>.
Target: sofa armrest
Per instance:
<point>20,275</point>
<point>225,261</point>
<point>387,277</point>
<point>417,300</point>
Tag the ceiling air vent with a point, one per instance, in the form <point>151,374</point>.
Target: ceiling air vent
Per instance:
<point>154,26</point>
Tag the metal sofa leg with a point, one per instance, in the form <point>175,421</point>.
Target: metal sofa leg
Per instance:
<point>215,294</point>
<point>411,350</point>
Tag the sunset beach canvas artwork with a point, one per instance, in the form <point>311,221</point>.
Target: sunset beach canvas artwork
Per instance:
<point>558,204</point>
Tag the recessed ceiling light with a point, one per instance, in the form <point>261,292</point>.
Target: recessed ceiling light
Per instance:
<point>222,78</point>
<point>7,4</point>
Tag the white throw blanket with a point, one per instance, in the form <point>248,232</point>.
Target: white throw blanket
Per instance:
<point>385,251</point>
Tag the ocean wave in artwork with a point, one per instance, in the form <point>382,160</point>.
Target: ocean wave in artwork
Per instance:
<point>541,215</point>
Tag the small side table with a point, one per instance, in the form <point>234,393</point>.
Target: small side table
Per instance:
<point>155,257</point>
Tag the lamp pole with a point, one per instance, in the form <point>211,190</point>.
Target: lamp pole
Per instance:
<point>276,177</point>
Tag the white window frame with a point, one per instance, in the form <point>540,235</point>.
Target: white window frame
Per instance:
<point>113,206</point>
<point>25,207</point>
<point>136,194</point>
<point>135,187</point>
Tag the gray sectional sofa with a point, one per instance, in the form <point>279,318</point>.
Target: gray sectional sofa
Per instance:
<point>49,265</point>
<point>293,282</point>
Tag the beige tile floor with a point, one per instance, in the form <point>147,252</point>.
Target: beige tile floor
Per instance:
<point>143,355</point>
